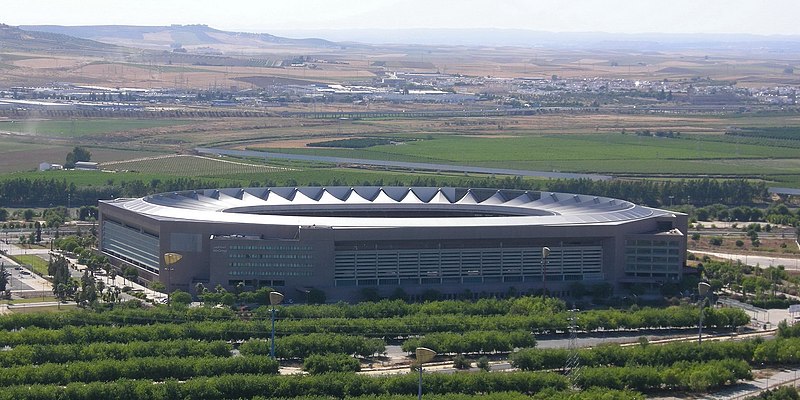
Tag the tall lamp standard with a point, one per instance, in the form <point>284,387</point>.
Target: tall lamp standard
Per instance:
<point>170,259</point>
<point>703,289</point>
<point>275,298</point>
<point>424,355</point>
<point>545,254</point>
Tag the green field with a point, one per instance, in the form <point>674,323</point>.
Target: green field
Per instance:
<point>83,127</point>
<point>195,166</point>
<point>17,155</point>
<point>598,153</point>
<point>37,264</point>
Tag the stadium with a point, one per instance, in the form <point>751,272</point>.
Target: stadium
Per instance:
<point>341,240</point>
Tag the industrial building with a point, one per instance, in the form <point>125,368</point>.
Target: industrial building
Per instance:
<point>343,239</point>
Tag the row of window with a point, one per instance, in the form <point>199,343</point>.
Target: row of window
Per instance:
<point>270,273</point>
<point>258,283</point>
<point>651,275</point>
<point>270,247</point>
<point>481,263</point>
<point>455,280</point>
<point>652,243</point>
<point>650,250</point>
<point>271,256</point>
<point>269,265</point>
<point>131,245</point>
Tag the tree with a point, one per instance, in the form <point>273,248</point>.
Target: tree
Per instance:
<point>322,363</point>
<point>400,294</point>
<point>130,273</point>
<point>370,294</point>
<point>88,293</point>
<point>179,298</point>
<point>483,363</point>
<point>3,214</point>
<point>461,362</point>
<point>86,213</point>
<point>3,278</point>
<point>28,214</point>
<point>316,296</point>
<point>77,154</point>
<point>158,286</point>
<point>58,268</point>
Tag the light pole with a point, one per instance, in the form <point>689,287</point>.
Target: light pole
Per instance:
<point>424,355</point>
<point>702,289</point>
<point>545,254</point>
<point>170,259</point>
<point>275,298</point>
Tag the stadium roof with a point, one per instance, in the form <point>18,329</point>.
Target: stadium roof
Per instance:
<point>368,207</point>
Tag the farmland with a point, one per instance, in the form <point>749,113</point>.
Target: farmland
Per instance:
<point>23,154</point>
<point>186,165</point>
<point>604,153</point>
<point>81,127</point>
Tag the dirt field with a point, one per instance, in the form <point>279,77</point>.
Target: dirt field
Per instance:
<point>750,68</point>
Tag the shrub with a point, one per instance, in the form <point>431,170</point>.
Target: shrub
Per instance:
<point>483,363</point>
<point>322,363</point>
<point>461,362</point>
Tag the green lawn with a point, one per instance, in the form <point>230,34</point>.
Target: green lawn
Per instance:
<point>29,300</point>
<point>10,145</point>
<point>83,127</point>
<point>599,153</point>
<point>37,264</point>
<point>44,309</point>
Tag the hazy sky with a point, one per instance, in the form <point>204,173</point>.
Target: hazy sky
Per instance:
<point>615,16</point>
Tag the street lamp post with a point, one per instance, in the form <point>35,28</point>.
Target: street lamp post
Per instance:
<point>703,289</point>
<point>275,298</point>
<point>545,254</point>
<point>170,259</point>
<point>424,355</point>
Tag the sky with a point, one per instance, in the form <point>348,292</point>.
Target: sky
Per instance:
<point>763,17</point>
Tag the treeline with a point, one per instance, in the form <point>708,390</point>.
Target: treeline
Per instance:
<point>547,394</point>
<point>336,385</point>
<point>682,376</point>
<point>782,351</point>
<point>143,329</point>
<point>42,192</point>
<point>786,133</point>
<point>302,346</point>
<point>135,368</point>
<point>781,393</point>
<point>386,317</point>
<point>117,316</point>
<point>354,143</point>
<point>694,377</point>
<point>471,342</point>
<point>654,355</point>
<point>65,353</point>
<point>398,308</point>
<point>777,214</point>
<point>645,318</point>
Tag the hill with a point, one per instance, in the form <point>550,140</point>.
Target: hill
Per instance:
<point>178,36</point>
<point>16,39</point>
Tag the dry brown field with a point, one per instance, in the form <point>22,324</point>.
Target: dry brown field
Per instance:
<point>748,67</point>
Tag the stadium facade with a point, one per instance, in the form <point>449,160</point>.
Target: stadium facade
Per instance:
<point>343,239</point>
